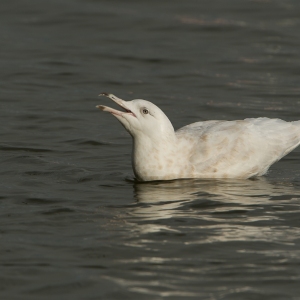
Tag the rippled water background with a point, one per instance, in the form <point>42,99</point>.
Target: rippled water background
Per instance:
<point>74,224</point>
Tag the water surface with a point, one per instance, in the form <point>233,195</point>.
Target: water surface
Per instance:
<point>74,223</point>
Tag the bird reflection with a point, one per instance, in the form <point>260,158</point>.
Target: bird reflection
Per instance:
<point>217,211</point>
<point>163,199</point>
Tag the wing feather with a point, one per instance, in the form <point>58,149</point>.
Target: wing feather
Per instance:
<point>239,148</point>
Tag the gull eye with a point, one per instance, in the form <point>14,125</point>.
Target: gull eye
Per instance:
<point>145,111</point>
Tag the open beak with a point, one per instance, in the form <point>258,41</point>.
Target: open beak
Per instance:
<point>113,111</point>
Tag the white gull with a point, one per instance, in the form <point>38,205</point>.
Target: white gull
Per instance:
<point>209,149</point>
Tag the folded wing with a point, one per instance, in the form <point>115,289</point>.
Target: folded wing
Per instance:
<point>239,149</point>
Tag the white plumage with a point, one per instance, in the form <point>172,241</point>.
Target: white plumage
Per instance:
<point>210,149</point>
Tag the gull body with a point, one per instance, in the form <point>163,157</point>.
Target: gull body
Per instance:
<point>209,149</point>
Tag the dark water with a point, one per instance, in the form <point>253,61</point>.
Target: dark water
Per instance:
<point>74,224</point>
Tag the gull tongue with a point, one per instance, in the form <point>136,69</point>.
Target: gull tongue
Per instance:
<point>119,101</point>
<point>109,109</point>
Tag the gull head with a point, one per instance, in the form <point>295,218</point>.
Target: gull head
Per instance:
<point>140,118</point>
